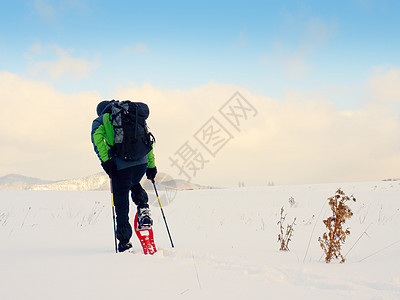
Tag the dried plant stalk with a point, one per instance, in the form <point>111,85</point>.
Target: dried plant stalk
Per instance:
<point>332,240</point>
<point>285,235</point>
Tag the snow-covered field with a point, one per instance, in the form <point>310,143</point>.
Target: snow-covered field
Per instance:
<point>59,245</point>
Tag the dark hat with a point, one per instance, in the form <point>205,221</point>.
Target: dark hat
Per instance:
<point>101,106</point>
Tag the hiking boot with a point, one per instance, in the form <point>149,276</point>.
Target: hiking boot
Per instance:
<point>124,246</point>
<point>144,218</point>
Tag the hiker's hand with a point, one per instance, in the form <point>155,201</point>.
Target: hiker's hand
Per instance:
<point>109,167</point>
<point>151,173</point>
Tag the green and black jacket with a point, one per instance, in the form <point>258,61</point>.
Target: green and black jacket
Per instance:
<point>103,139</point>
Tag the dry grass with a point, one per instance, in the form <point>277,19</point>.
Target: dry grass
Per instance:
<point>335,236</point>
<point>285,235</point>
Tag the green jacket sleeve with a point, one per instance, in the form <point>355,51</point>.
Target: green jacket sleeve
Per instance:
<point>102,137</point>
<point>151,159</point>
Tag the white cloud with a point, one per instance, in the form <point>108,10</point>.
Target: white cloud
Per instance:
<point>318,32</point>
<point>290,141</point>
<point>56,62</point>
<point>66,65</point>
<point>48,133</point>
<point>52,12</point>
<point>292,64</point>
<point>137,48</point>
<point>385,85</point>
<point>295,66</point>
<point>44,9</point>
<point>241,40</point>
<point>292,55</point>
<point>34,49</point>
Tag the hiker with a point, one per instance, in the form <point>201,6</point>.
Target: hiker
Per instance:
<point>125,170</point>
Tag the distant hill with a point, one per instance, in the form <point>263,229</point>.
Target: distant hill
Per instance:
<point>95,182</point>
<point>20,182</point>
<point>166,181</point>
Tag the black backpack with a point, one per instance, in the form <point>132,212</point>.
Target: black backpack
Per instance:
<point>132,140</point>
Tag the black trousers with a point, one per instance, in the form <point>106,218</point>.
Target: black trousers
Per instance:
<point>123,181</point>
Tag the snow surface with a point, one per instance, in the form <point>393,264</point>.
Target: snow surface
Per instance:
<point>59,245</point>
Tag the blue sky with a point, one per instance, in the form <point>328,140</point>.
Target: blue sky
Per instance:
<point>182,44</point>
<point>337,62</point>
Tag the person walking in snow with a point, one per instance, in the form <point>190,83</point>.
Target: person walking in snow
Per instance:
<point>125,173</point>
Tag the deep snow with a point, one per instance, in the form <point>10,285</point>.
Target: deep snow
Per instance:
<point>59,245</point>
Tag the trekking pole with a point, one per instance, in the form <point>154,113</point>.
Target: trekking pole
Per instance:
<point>113,212</point>
<point>162,211</point>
